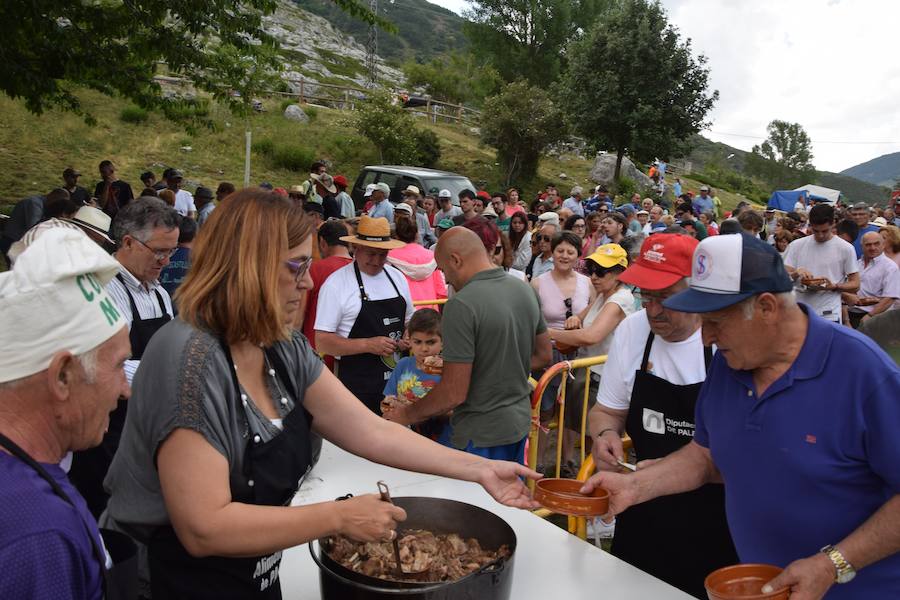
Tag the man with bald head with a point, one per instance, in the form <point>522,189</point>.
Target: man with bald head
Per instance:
<point>488,354</point>
<point>879,280</point>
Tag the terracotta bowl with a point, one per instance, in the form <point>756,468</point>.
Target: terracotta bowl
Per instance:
<point>743,582</point>
<point>562,496</point>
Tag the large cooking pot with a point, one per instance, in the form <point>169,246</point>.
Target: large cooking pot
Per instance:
<point>437,515</point>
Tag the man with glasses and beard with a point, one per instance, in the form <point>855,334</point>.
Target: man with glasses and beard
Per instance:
<point>649,387</point>
<point>146,233</point>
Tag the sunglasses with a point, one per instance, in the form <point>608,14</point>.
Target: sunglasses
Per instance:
<point>568,303</point>
<point>593,268</point>
<point>299,267</point>
<point>544,238</point>
<point>498,250</point>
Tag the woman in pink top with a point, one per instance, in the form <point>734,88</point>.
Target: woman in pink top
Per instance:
<point>563,293</point>
<point>416,263</point>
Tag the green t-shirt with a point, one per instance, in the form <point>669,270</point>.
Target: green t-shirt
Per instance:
<point>491,324</point>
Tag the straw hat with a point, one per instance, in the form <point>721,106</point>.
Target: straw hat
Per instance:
<point>325,180</point>
<point>92,219</point>
<point>375,233</point>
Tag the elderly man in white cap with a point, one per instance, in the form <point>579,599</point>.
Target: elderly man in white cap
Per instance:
<point>146,231</point>
<point>381,204</point>
<point>797,417</point>
<point>362,313</point>
<point>64,345</point>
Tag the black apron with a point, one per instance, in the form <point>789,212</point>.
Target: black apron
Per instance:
<point>273,472</point>
<point>119,582</point>
<point>684,537</point>
<point>366,374</point>
<point>89,467</point>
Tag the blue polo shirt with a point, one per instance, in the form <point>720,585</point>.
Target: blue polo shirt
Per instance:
<point>811,459</point>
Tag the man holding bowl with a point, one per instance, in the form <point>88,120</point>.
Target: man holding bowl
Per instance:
<point>798,417</point>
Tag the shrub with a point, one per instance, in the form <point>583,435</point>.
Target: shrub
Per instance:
<point>428,147</point>
<point>263,147</point>
<point>186,109</point>
<point>287,102</point>
<point>625,187</point>
<point>133,114</point>
<point>311,112</point>
<point>293,158</point>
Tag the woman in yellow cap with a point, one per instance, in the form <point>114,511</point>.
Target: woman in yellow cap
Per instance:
<point>592,331</point>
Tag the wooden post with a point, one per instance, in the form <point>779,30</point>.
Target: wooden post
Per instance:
<point>346,99</point>
<point>302,101</point>
<point>247,158</point>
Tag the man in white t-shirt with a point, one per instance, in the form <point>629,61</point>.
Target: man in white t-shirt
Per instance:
<point>648,390</point>
<point>184,200</point>
<point>825,257</point>
<point>362,312</point>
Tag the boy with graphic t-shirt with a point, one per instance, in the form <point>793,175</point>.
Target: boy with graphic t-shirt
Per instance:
<point>413,377</point>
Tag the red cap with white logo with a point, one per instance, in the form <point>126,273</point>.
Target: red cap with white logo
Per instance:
<point>665,259</point>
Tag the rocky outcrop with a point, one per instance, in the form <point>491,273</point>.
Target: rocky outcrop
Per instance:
<point>295,113</point>
<point>605,167</point>
<point>315,51</point>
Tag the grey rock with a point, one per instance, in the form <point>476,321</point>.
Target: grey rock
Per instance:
<point>605,167</point>
<point>295,113</point>
<point>563,176</point>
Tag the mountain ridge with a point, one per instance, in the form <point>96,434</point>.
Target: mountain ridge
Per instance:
<point>882,170</point>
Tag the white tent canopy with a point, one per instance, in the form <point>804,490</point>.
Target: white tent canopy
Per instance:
<point>829,194</point>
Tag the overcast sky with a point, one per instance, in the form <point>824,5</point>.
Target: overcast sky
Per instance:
<point>830,65</point>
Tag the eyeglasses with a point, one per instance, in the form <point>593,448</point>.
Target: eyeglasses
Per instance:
<point>568,303</point>
<point>578,226</point>
<point>646,298</point>
<point>544,238</point>
<point>159,255</point>
<point>498,250</point>
<point>299,267</point>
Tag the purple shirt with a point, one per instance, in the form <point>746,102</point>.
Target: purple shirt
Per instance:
<point>45,550</point>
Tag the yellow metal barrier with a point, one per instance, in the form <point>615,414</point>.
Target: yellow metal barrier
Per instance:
<point>576,525</point>
<point>429,302</point>
<point>564,369</point>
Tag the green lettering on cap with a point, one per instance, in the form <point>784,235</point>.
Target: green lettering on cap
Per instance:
<point>89,296</point>
<point>109,311</point>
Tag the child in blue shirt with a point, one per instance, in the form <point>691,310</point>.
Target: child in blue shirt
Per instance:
<point>410,382</point>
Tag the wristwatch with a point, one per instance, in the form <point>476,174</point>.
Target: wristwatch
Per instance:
<point>843,570</point>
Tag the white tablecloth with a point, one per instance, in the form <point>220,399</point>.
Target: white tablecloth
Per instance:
<point>550,563</point>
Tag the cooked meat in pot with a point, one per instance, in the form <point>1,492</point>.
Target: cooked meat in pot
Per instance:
<point>434,557</point>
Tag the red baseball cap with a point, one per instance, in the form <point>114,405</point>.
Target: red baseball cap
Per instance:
<point>340,180</point>
<point>665,259</point>
<point>484,195</point>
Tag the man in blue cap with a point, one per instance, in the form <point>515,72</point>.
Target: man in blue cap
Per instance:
<point>798,417</point>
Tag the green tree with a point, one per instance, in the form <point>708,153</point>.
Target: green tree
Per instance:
<point>784,159</point>
<point>50,48</point>
<point>528,37</point>
<point>455,78</point>
<point>520,122</point>
<point>394,133</point>
<point>633,86</point>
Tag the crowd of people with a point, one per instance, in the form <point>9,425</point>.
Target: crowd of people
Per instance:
<point>175,360</point>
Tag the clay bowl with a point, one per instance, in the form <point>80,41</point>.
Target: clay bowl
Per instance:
<point>743,582</point>
<point>562,496</point>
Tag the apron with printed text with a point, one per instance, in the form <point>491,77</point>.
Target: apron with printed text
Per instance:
<point>680,538</point>
<point>366,374</point>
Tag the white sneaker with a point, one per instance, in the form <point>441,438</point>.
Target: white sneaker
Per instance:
<point>600,530</point>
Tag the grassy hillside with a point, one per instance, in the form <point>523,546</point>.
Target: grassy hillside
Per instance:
<point>425,30</point>
<point>34,150</point>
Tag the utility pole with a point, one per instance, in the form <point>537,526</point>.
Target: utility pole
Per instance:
<point>372,48</point>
